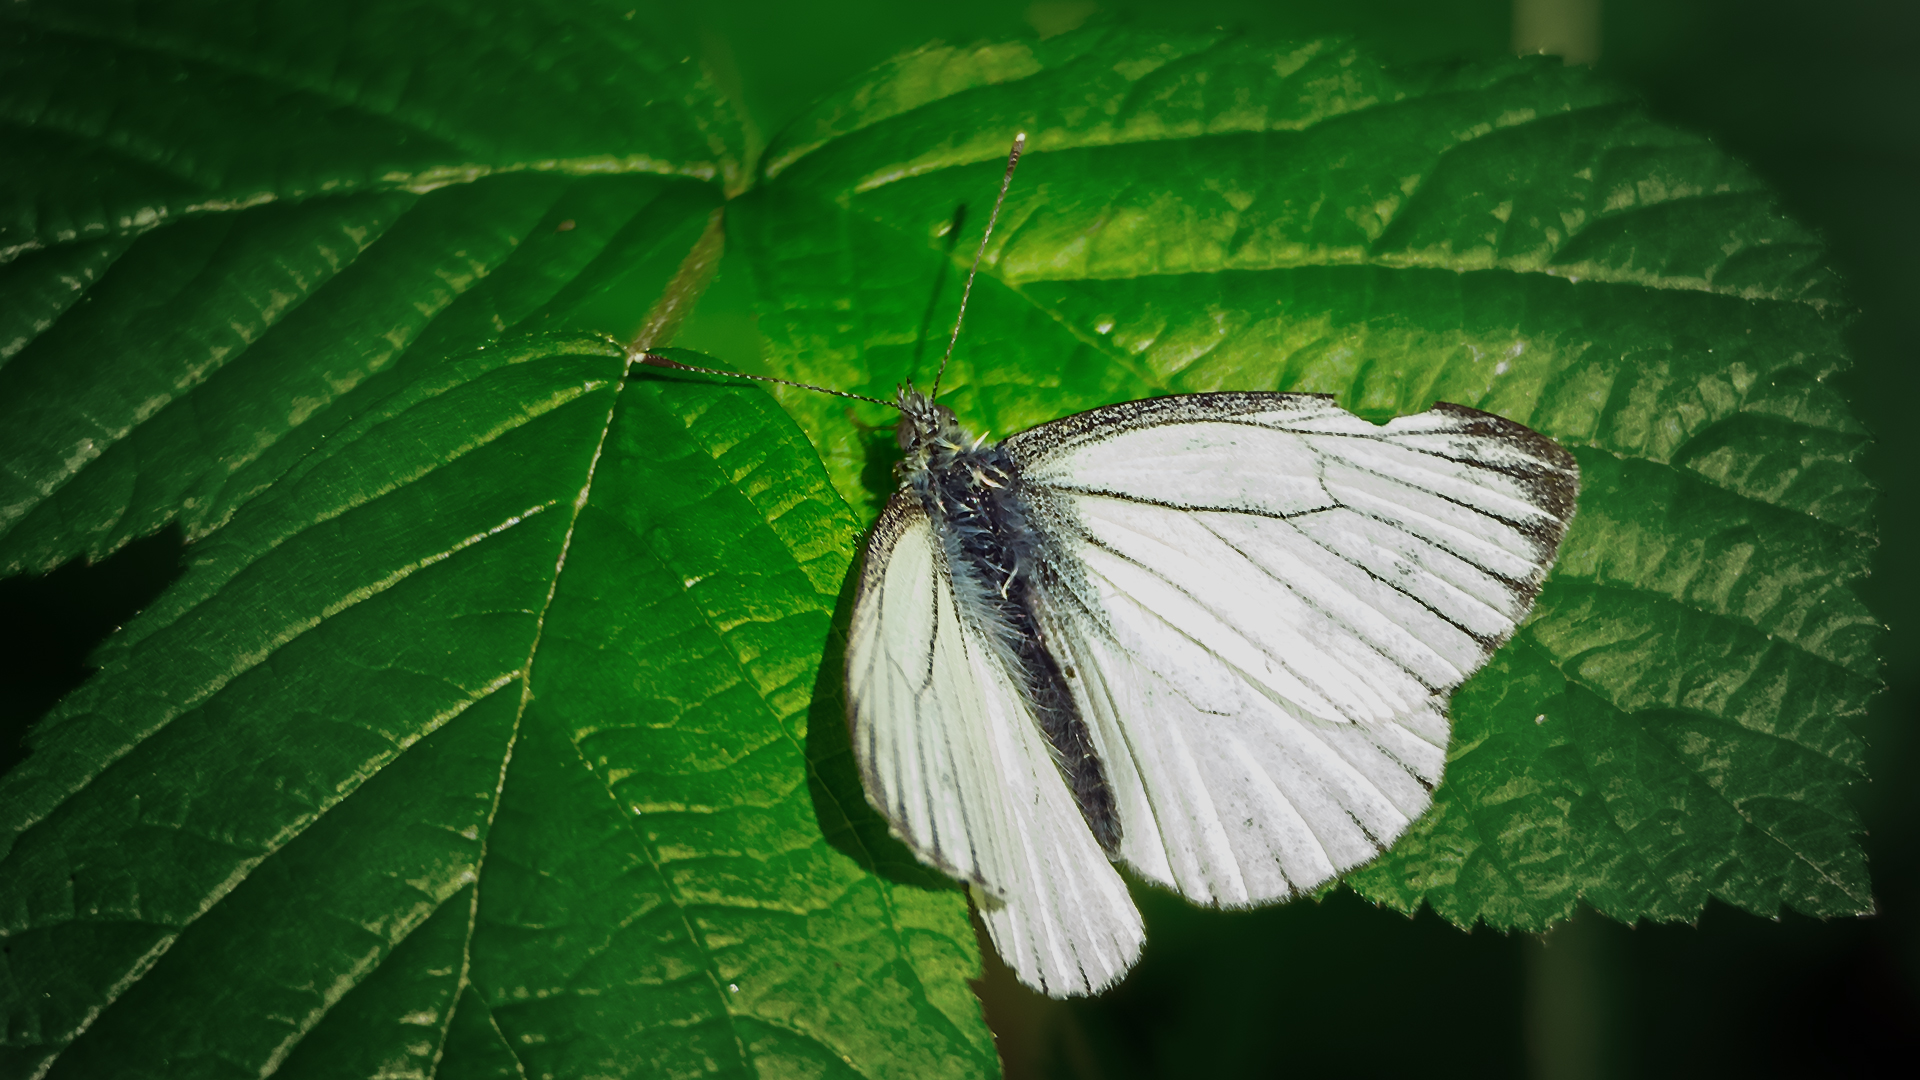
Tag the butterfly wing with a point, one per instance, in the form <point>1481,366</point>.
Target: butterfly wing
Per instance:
<point>1265,603</point>
<point>949,754</point>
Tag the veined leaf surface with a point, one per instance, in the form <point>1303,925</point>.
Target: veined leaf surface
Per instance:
<point>474,739</point>
<point>487,731</point>
<point>1218,212</point>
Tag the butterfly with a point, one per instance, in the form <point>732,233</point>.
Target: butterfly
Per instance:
<point>1209,636</point>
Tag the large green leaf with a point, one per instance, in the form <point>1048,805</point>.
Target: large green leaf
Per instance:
<point>474,741</point>
<point>1217,212</point>
<point>260,306</point>
<point>495,727</point>
<point>483,735</point>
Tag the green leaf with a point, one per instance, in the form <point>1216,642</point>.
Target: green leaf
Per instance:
<point>503,700</point>
<point>476,738</point>
<point>1207,212</point>
<point>455,145</point>
<point>496,729</point>
<point>122,118</point>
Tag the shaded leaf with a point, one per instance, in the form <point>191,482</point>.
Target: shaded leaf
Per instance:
<point>123,117</point>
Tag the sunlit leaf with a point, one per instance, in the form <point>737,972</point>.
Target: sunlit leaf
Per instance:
<point>1214,212</point>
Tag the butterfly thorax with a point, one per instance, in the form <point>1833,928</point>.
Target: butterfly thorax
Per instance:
<point>972,492</point>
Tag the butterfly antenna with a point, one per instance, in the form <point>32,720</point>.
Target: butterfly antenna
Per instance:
<point>656,360</point>
<point>1013,158</point>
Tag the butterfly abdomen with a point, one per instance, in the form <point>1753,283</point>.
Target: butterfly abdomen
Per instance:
<point>995,555</point>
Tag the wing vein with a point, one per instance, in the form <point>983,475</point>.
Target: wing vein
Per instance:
<point>1344,624</point>
<point>1096,542</point>
<point>1521,527</point>
<point>1299,723</point>
<point>1486,646</point>
<point>1185,508</point>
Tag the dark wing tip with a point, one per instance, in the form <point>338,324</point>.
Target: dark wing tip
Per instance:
<point>1491,425</point>
<point>1554,485</point>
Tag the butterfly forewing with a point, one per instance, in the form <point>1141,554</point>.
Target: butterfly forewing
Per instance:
<point>1267,601</point>
<point>950,755</point>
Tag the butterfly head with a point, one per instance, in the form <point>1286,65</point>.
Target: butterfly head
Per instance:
<point>926,427</point>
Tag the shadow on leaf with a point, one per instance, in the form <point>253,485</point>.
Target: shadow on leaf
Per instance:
<point>53,623</point>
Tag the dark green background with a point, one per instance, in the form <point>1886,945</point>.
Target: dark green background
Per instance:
<point>1824,99</point>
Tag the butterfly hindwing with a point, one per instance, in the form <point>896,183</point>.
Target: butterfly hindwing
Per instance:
<point>1265,603</point>
<point>950,756</point>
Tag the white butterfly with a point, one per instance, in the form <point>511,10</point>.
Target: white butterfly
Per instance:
<point>1210,636</point>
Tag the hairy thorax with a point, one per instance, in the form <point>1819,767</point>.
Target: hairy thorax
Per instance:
<point>999,566</point>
